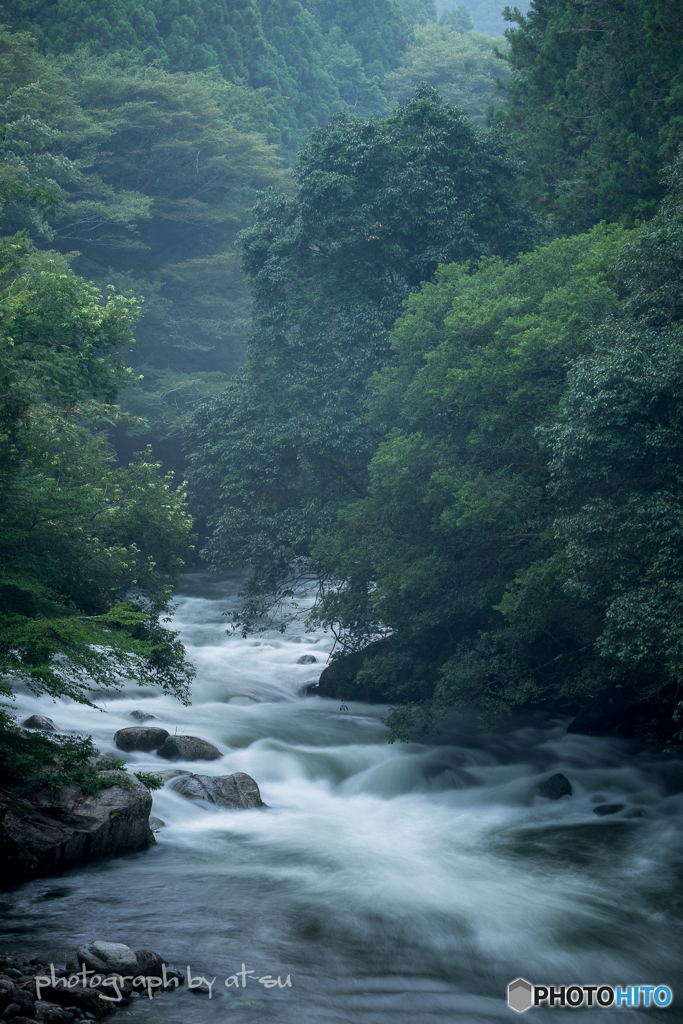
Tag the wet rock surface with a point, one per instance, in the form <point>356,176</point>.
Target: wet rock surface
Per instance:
<point>107,957</point>
<point>555,787</point>
<point>148,963</point>
<point>604,809</point>
<point>140,737</point>
<point>41,992</point>
<point>41,835</point>
<point>238,791</point>
<point>40,722</point>
<point>188,748</point>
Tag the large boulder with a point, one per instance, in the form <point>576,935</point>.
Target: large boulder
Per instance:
<point>140,737</point>
<point>338,678</point>
<point>40,834</point>
<point>107,957</point>
<point>555,787</point>
<point>149,964</point>
<point>238,791</point>
<point>188,748</point>
<point>40,722</point>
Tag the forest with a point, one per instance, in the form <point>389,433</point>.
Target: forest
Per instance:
<point>386,297</point>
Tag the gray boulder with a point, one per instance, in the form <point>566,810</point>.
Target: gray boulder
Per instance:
<point>40,835</point>
<point>107,957</point>
<point>156,823</point>
<point>188,748</point>
<point>141,716</point>
<point>555,787</point>
<point>149,964</point>
<point>140,737</point>
<point>40,722</point>
<point>306,659</point>
<point>238,791</point>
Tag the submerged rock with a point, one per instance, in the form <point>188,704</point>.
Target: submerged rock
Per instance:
<point>188,748</point>
<point>603,809</point>
<point>40,722</point>
<point>306,659</point>
<point>141,716</point>
<point>107,957</point>
<point>41,835</point>
<point>140,737</point>
<point>238,791</point>
<point>556,786</point>
<point>156,823</point>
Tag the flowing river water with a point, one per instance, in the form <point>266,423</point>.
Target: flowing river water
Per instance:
<point>404,883</point>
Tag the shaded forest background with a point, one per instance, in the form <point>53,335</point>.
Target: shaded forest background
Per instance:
<point>404,294</point>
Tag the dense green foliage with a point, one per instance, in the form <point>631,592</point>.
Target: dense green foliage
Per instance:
<point>154,173</point>
<point>520,540</point>
<point>486,15</point>
<point>88,551</point>
<point>457,504</point>
<point>595,104</point>
<point>473,453</point>
<point>311,58</point>
<point>460,64</point>
<point>38,762</point>
<point>379,205</point>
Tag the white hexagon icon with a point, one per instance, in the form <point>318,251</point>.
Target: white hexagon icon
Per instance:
<point>520,996</point>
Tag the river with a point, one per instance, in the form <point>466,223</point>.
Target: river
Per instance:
<point>403,883</point>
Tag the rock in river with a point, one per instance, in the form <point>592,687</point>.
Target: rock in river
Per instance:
<point>149,964</point>
<point>107,957</point>
<point>40,722</point>
<point>140,737</point>
<point>238,791</point>
<point>556,786</point>
<point>188,748</point>
<point>40,835</point>
<point>603,809</point>
<point>306,659</point>
<point>141,716</point>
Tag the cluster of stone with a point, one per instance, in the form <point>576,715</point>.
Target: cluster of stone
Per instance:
<point>34,991</point>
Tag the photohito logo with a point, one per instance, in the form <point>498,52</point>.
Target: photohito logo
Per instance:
<point>522,995</point>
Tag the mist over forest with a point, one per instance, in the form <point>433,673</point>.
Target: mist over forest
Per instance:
<point>386,297</point>
<point>341,509</point>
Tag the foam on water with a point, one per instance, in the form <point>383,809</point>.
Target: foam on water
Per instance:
<point>406,882</point>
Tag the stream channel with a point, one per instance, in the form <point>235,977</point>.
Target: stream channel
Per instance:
<point>403,883</point>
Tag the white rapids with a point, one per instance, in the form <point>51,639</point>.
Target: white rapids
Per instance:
<point>403,883</point>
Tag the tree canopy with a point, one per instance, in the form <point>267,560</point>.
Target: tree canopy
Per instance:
<point>594,102</point>
<point>310,58</point>
<point>89,552</point>
<point>461,65</point>
<point>151,175</point>
<point>379,204</point>
<point>520,539</point>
